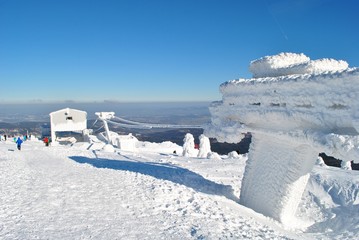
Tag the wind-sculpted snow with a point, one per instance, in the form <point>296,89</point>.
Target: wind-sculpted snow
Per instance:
<point>334,198</point>
<point>162,171</point>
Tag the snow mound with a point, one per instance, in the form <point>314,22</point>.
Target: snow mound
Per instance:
<point>233,155</point>
<point>213,155</point>
<point>330,203</point>
<point>166,147</point>
<point>108,148</point>
<point>284,64</point>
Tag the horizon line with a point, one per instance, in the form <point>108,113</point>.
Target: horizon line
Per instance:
<point>103,101</point>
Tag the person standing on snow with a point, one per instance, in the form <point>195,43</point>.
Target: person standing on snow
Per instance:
<point>18,143</point>
<point>46,141</point>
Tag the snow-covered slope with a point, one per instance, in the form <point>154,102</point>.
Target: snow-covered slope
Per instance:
<point>82,192</point>
<point>330,204</point>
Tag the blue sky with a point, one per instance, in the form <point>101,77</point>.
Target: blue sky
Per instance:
<point>152,50</point>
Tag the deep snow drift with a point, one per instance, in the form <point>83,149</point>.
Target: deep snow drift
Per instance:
<point>80,191</point>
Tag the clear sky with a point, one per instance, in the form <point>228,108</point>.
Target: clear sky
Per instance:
<point>158,50</point>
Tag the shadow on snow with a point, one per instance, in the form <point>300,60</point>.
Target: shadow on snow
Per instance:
<point>162,171</point>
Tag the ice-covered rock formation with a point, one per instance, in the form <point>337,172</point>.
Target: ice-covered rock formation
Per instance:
<point>204,146</point>
<point>292,63</point>
<point>295,109</point>
<point>188,146</point>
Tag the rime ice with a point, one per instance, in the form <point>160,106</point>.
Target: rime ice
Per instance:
<point>295,108</point>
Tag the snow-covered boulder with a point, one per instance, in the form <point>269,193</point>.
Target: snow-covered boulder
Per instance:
<point>214,155</point>
<point>346,165</point>
<point>233,155</point>
<point>320,162</point>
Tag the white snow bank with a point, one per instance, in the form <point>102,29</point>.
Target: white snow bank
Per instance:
<point>291,63</point>
<point>330,203</point>
<point>213,155</point>
<point>108,148</point>
<point>234,155</point>
<point>163,147</point>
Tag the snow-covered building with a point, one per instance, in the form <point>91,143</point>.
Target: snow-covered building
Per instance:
<point>295,108</point>
<point>67,120</point>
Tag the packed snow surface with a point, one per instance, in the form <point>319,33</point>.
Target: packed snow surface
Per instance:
<point>81,192</point>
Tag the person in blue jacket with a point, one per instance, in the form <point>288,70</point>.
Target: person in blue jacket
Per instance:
<point>18,143</point>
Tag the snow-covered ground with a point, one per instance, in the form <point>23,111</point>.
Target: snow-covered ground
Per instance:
<point>81,192</point>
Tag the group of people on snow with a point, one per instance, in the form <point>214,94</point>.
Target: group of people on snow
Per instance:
<point>19,140</point>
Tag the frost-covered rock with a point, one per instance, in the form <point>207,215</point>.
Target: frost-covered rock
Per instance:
<point>346,165</point>
<point>188,146</point>
<point>204,146</point>
<point>294,108</point>
<point>320,162</point>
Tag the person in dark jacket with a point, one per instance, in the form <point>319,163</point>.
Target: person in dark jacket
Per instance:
<point>18,143</point>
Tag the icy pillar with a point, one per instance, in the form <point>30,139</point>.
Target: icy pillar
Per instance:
<point>276,175</point>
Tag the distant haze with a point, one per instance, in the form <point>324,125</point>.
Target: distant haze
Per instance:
<point>176,112</point>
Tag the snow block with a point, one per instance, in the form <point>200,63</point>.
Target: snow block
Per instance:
<point>276,175</point>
